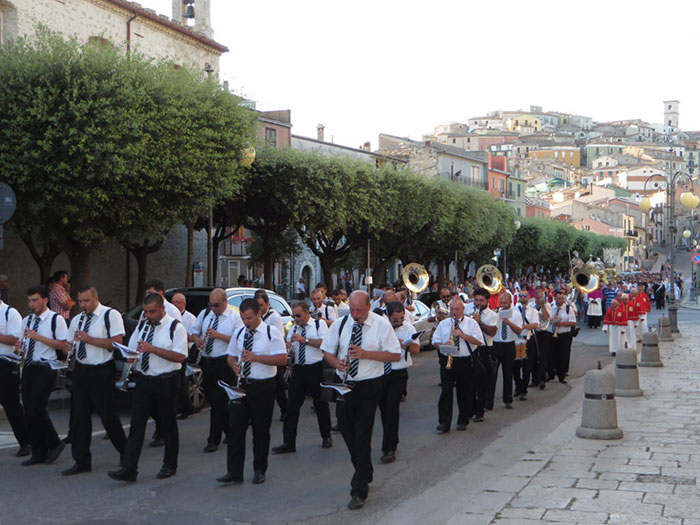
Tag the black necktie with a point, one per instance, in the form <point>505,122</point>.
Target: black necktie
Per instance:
<point>32,342</point>
<point>210,341</point>
<point>355,339</point>
<point>302,347</point>
<point>82,350</point>
<point>248,345</point>
<point>145,357</point>
<point>455,339</point>
<point>522,312</point>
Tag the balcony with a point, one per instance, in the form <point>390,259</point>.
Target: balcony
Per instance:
<point>631,234</point>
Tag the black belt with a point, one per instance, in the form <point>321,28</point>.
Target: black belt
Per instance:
<point>312,364</point>
<point>36,363</point>
<point>210,358</point>
<point>361,382</point>
<point>599,396</point>
<point>167,375</point>
<point>252,381</point>
<point>84,365</point>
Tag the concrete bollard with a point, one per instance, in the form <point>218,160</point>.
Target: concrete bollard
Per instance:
<point>665,329</point>
<point>599,415</point>
<point>650,351</point>
<point>627,374</point>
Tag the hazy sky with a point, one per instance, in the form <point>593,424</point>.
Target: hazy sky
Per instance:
<point>367,67</point>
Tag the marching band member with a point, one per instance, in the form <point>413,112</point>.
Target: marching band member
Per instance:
<point>487,320</point>
<point>509,327</point>
<point>162,344</point>
<point>212,333</point>
<point>338,296</point>
<point>305,339</point>
<point>273,318</point>
<point>539,361</point>
<point>643,305</point>
<point>184,403</point>
<point>443,305</point>
<point>92,335</point>
<point>46,332</point>
<point>358,350</point>
<point>613,324</point>
<point>10,333</point>
<point>563,318</point>
<point>253,353</point>
<point>402,297</point>
<point>530,321</point>
<point>321,310</point>
<point>632,319</point>
<point>395,379</point>
<point>457,371</point>
<point>156,286</point>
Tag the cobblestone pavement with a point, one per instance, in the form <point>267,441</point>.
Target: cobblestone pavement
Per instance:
<point>651,476</point>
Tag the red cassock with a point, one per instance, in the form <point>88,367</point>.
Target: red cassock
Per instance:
<point>643,304</point>
<point>610,316</point>
<point>620,316</point>
<point>632,313</point>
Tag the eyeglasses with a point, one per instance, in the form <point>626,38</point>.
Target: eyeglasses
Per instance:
<point>444,297</point>
<point>298,316</point>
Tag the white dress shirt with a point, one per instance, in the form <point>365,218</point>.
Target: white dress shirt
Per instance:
<point>404,333</point>
<point>42,351</point>
<point>342,309</point>
<point>377,336</point>
<point>10,324</point>
<point>161,339</point>
<point>188,320</point>
<point>313,354</point>
<point>262,345</point>
<point>273,318</point>
<point>563,316</point>
<point>488,318</point>
<point>97,329</point>
<point>229,323</point>
<point>443,334</point>
<point>327,311</point>
<point>513,315</point>
<point>532,316</point>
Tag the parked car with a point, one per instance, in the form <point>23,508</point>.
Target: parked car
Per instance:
<point>421,323</point>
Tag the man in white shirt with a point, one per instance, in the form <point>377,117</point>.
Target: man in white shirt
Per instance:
<point>180,302</point>
<point>395,379</point>
<point>509,328</point>
<point>156,286</point>
<point>273,318</point>
<point>322,310</point>
<point>563,320</point>
<point>442,306</point>
<point>184,403</point>
<point>44,333</point>
<point>300,288</point>
<point>457,372</point>
<point>521,367</point>
<point>254,353</point>
<point>91,336</point>
<point>212,332</point>
<point>10,333</point>
<point>357,347</point>
<point>161,342</point>
<point>304,340</point>
<point>539,362</point>
<point>487,320</point>
<point>340,306</point>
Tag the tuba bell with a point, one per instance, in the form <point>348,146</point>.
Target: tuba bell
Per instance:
<point>415,277</point>
<point>490,278</point>
<point>585,277</point>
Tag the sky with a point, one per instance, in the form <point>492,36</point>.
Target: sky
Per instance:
<point>385,66</point>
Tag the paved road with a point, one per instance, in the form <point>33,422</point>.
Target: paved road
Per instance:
<point>309,486</point>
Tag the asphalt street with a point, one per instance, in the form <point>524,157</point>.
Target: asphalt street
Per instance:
<point>310,486</point>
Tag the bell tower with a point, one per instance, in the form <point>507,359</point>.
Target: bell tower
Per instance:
<point>197,10</point>
<point>671,113</point>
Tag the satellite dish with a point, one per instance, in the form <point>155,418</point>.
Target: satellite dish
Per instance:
<point>8,203</point>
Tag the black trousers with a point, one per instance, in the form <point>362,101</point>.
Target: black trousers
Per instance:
<point>280,390</point>
<point>461,379</point>
<point>255,410</point>
<point>9,399</point>
<point>305,379</point>
<point>37,382</point>
<point>393,387</point>
<point>356,411</point>
<point>482,381</point>
<point>521,369</point>
<point>93,390</point>
<point>184,403</point>
<point>153,395</point>
<point>560,352</point>
<point>504,356</point>
<point>213,370</point>
<point>538,355</point>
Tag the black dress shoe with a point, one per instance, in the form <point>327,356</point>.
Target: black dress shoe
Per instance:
<point>442,429</point>
<point>76,469</point>
<point>388,457</point>
<point>53,453</point>
<point>123,475</point>
<point>327,442</point>
<point>523,397</point>
<point>508,405</point>
<point>461,426</point>
<point>166,472</point>
<point>542,385</point>
<point>258,478</point>
<point>225,441</point>
<point>563,381</point>
<point>183,416</point>
<point>32,461</point>
<point>532,384</point>
<point>335,428</point>
<point>478,419</point>
<point>356,503</point>
<point>211,447</point>
<point>230,478</point>
<point>23,451</point>
<point>66,440</point>
<point>283,415</point>
<point>156,442</point>
<point>284,448</point>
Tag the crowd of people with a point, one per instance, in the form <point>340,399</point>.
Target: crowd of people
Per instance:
<point>353,349</point>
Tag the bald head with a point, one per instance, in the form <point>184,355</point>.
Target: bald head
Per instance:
<point>359,305</point>
<point>456,307</point>
<point>179,301</point>
<point>217,301</point>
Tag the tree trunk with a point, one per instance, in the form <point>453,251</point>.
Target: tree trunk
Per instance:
<point>268,269</point>
<point>189,265</point>
<point>327,264</point>
<point>441,274</point>
<point>379,272</point>
<point>141,257</point>
<point>79,266</point>
<point>44,259</point>
<point>460,270</point>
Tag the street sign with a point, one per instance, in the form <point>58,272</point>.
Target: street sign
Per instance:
<point>696,258</point>
<point>8,203</point>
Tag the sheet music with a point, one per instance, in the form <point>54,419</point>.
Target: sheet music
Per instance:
<point>233,393</point>
<point>55,364</point>
<point>127,353</point>
<point>192,370</point>
<point>449,350</point>
<point>338,387</point>
<point>505,314</point>
<point>12,358</point>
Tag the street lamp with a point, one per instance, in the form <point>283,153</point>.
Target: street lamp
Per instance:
<point>689,200</point>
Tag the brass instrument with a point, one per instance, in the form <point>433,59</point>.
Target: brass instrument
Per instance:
<point>455,342</point>
<point>24,340</point>
<point>585,278</point>
<point>490,278</point>
<point>439,310</point>
<point>543,325</point>
<point>415,277</point>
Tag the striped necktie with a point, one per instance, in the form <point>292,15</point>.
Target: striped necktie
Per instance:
<point>248,345</point>
<point>82,349</point>
<point>504,330</point>
<point>355,339</point>
<point>210,341</point>
<point>32,342</point>
<point>455,339</point>
<point>301,354</point>
<point>522,313</point>
<point>146,357</point>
